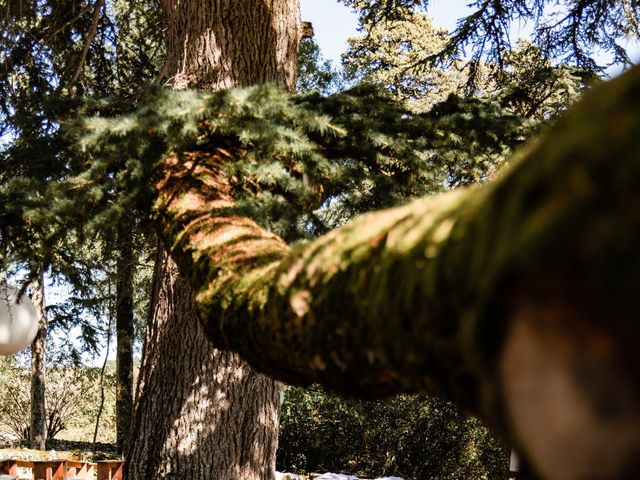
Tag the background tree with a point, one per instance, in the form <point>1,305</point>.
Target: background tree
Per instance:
<point>533,87</point>
<point>54,52</point>
<point>394,53</point>
<point>38,412</point>
<point>568,32</point>
<point>64,412</point>
<point>411,437</point>
<point>316,72</point>
<point>125,270</point>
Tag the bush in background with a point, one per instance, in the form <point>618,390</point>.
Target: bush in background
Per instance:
<point>72,402</point>
<point>407,436</point>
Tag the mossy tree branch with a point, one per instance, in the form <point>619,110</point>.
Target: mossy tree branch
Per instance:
<point>419,298</point>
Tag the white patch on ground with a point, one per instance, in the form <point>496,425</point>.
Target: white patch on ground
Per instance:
<point>327,476</point>
<point>336,476</point>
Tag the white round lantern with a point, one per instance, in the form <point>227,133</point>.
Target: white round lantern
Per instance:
<point>18,320</point>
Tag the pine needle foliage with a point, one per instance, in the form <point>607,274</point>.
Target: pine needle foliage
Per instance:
<point>53,56</point>
<point>300,164</point>
<point>315,72</point>
<point>396,54</point>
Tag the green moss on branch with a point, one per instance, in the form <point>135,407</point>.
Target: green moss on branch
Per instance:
<point>418,298</point>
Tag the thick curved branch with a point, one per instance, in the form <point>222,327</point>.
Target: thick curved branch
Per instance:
<point>424,297</point>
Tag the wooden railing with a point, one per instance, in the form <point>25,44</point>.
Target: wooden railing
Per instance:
<point>61,469</point>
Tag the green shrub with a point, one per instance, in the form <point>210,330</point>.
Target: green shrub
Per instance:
<point>407,436</point>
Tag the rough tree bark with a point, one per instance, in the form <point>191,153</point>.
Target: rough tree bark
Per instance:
<point>517,300</point>
<point>203,413</point>
<point>38,423</point>
<point>124,334</point>
<point>219,44</point>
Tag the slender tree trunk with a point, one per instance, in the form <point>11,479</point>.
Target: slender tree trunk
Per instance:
<point>102,375</point>
<point>203,413</point>
<point>38,424</point>
<point>124,332</point>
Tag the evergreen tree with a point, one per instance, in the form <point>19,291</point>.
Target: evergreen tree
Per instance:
<point>571,32</point>
<point>533,87</point>
<point>315,73</point>
<point>394,53</point>
<point>54,52</point>
<point>38,410</point>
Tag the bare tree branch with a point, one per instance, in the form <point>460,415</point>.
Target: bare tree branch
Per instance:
<point>87,44</point>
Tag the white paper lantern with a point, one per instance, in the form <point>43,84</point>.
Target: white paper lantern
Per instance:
<point>18,321</point>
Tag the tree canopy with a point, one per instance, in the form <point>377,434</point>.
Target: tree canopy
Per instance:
<point>54,54</point>
<point>395,54</point>
<point>570,31</point>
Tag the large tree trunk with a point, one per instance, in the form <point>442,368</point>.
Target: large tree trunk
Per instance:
<point>124,334</point>
<point>38,424</point>
<point>517,300</point>
<point>203,413</point>
<point>218,44</point>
